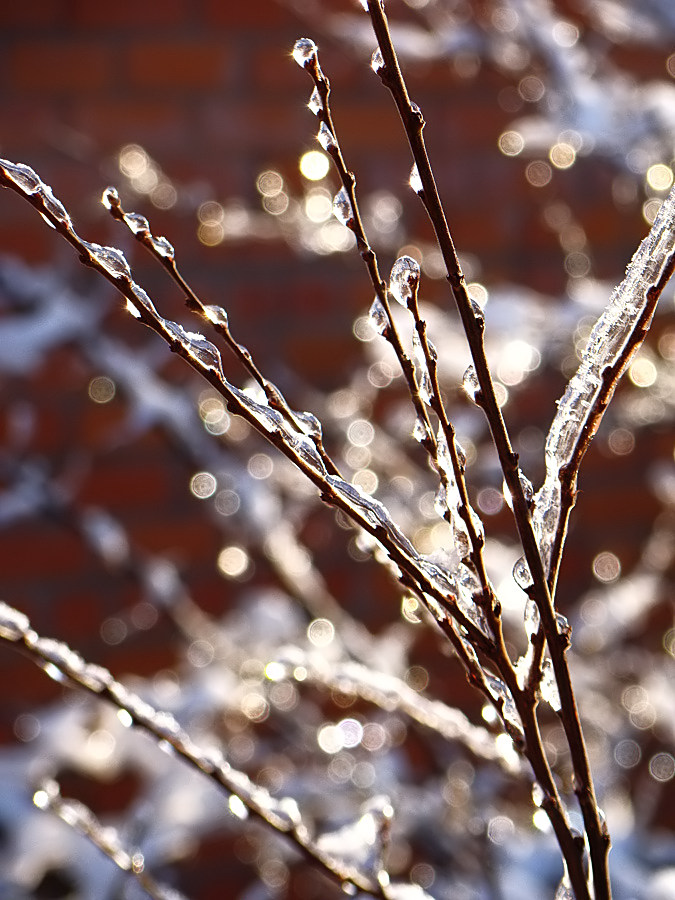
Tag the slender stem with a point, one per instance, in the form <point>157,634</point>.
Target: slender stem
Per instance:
<point>413,123</point>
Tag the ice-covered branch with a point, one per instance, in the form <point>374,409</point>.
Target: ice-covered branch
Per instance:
<point>615,338</point>
<point>106,838</point>
<point>349,865</point>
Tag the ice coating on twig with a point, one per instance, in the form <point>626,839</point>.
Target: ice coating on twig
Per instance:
<point>106,838</point>
<point>603,349</point>
<point>359,847</point>
<point>392,693</point>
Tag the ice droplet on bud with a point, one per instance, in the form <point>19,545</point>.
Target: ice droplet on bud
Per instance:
<point>342,208</point>
<point>325,138</point>
<point>521,574</point>
<point>136,223</point>
<point>22,175</point>
<point>163,247</point>
<point>419,431</point>
<point>404,279</point>
<point>216,315</point>
<point>133,310</point>
<point>111,259</point>
<point>530,616</point>
<point>378,317</point>
<point>470,384</point>
<point>376,60</point>
<point>538,795</point>
<point>315,102</point>
<point>304,52</point>
<point>13,624</point>
<point>110,197</point>
<point>415,181</point>
<point>548,686</point>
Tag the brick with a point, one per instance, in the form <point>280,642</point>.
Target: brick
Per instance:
<point>65,66</point>
<point>262,14</point>
<point>119,121</point>
<point>129,14</point>
<point>36,14</point>
<point>178,65</point>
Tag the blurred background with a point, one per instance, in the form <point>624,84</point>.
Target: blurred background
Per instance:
<point>124,484</point>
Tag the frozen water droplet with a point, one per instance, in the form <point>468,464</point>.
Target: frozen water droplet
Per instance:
<point>376,60</point>
<point>110,198</point>
<point>325,138</point>
<point>304,52</point>
<point>13,624</point>
<point>461,454</point>
<point>530,615</point>
<point>404,279</point>
<point>433,352</point>
<point>196,345</point>
<point>521,574</point>
<point>526,485</point>
<point>132,309</point>
<point>342,208</point>
<point>564,626</point>
<point>478,313</point>
<point>162,247</point>
<point>364,4</point>
<point>441,501</point>
<point>216,315</point>
<point>419,431</point>
<point>315,102</point>
<point>136,223</point>
<point>564,891</point>
<point>499,691</point>
<point>470,383</point>
<point>538,795</point>
<point>378,317</point>
<point>548,686</point>
<point>22,176</point>
<point>309,424</point>
<point>53,206</point>
<point>415,180</point>
<point>111,259</point>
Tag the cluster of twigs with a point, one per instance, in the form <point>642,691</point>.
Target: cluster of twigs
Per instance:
<point>459,595</point>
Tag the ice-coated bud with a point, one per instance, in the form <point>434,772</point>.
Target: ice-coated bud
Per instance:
<point>304,52</point>
<point>404,279</point>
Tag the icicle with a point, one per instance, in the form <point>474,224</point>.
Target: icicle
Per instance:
<point>325,138</point>
<point>315,102</point>
<point>404,279</point>
<point>305,52</point>
<point>342,208</point>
